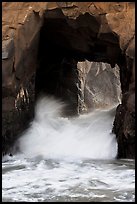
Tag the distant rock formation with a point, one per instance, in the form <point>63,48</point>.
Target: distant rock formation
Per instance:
<point>99,85</point>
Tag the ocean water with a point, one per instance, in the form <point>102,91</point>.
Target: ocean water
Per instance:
<point>68,159</point>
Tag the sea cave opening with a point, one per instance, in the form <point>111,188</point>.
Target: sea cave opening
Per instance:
<point>77,64</point>
<point>78,60</point>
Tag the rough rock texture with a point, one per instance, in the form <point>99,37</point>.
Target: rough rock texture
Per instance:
<point>72,32</point>
<point>99,86</point>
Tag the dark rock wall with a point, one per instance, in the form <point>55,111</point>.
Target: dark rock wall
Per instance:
<point>19,63</point>
<point>124,123</point>
<point>16,115</point>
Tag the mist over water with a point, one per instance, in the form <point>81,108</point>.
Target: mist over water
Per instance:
<point>53,136</point>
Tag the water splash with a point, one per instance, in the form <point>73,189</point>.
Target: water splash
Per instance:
<point>52,136</point>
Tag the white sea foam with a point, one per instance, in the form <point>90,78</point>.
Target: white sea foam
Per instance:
<point>68,160</point>
<point>52,136</point>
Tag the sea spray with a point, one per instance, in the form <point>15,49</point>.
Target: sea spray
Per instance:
<point>68,160</point>
<point>50,135</point>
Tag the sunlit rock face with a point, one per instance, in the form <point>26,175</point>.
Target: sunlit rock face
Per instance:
<point>38,36</point>
<point>99,86</point>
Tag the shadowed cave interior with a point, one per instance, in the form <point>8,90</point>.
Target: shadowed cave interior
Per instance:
<point>65,42</point>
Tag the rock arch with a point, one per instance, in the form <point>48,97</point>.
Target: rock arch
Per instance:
<point>65,33</point>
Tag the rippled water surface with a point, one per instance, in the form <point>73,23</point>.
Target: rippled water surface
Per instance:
<point>40,180</point>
